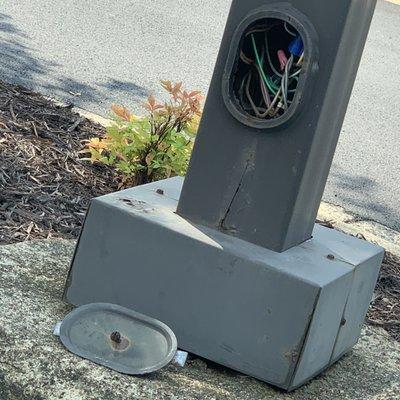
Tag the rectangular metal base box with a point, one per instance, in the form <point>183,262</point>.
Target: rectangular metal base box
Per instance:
<point>279,317</point>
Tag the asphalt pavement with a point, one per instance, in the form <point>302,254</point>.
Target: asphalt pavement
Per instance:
<point>101,52</point>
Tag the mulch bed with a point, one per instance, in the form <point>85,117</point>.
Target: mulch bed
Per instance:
<point>45,187</point>
<point>385,307</point>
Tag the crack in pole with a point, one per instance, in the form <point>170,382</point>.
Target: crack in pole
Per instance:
<point>223,219</point>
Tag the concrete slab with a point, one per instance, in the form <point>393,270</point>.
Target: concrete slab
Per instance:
<point>35,366</point>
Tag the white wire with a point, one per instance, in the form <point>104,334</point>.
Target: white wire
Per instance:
<point>288,30</point>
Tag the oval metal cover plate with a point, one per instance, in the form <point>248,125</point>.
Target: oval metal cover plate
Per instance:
<point>118,338</point>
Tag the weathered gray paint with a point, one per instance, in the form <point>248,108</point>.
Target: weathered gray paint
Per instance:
<point>265,185</point>
<point>275,316</point>
<point>322,334</point>
<point>364,280</point>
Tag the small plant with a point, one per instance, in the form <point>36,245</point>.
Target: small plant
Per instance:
<point>152,147</point>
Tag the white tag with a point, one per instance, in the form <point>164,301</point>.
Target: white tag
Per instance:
<point>56,330</point>
<point>180,358</point>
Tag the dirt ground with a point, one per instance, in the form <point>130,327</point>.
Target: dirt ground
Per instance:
<point>45,186</point>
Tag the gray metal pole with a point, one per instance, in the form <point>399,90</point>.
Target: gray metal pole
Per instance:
<point>260,182</point>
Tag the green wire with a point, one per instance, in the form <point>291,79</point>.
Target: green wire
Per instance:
<point>275,85</point>
<point>269,84</point>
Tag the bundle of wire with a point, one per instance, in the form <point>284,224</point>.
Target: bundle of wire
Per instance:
<point>277,88</point>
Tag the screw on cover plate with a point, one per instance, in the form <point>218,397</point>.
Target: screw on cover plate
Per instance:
<point>330,257</point>
<point>160,191</point>
<point>116,337</point>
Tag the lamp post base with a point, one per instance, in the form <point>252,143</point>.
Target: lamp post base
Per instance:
<point>280,317</point>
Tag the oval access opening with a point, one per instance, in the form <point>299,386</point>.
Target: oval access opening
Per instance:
<point>269,58</point>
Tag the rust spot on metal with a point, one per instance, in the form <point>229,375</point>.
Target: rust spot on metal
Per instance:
<point>291,356</point>
<point>137,205</point>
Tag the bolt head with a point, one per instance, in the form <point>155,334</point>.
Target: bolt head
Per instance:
<point>116,337</point>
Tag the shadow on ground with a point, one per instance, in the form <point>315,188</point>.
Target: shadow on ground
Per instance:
<point>361,194</point>
<point>20,63</point>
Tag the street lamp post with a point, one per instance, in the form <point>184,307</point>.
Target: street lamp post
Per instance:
<point>232,261</point>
